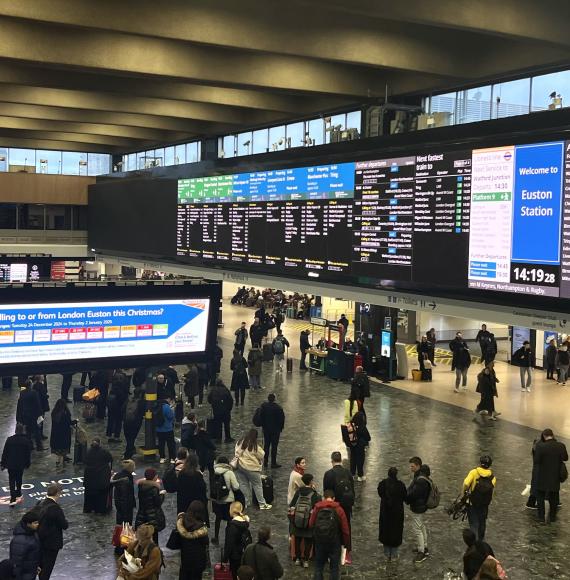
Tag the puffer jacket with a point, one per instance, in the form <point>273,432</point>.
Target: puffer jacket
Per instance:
<point>249,460</point>
<point>25,552</point>
<point>230,479</point>
<point>233,545</point>
<point>124,491</point>
<point>193,547</point>
<point>418,494</point>
<point>150,505</point>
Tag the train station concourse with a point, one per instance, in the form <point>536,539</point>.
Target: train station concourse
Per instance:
<point>284,290</point>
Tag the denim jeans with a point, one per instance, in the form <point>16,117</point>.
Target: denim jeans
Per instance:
<point>390,552</point>
<point>528,372</point>
<point>477,517</point>
<point>459,375</point>
<point>248,481</point>
<point>324,554</point>
<point>420,531</point>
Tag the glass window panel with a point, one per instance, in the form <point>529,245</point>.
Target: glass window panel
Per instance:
<point>159,157</point>
<point>179,154</point>
<point>193,152</point>
<point>7,216</point>
<point>141,155</point>
<point>3,159</point>
<point>337,123</point>
<point>98,164</point>
<point>295,133</point>
<point>354,121</point>
<point>21,159</point>
<point>544,85</point>
<point>169,156</point>
<point>131,162</point>
<point>48,161</point>
<point>260,141</point>
<point>31,217</point>
<point>79,217</point>
<point>58,217</point>
<point>74,163</point>
<point>244,144</point>
<point>511,98</point>
<point>444,104</point>
<point>474,105</point>
<point>316,131</point>
<point>229,146</point>
<point>277,138</point>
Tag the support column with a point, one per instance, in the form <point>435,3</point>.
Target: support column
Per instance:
<point>150,449</point>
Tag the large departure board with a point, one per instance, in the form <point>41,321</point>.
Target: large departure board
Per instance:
<point>487,219</point>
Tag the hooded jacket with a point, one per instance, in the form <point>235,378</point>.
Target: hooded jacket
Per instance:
<point>193,547</point>
<point>263,559</point>
<point>25,552</point>
<point>150,505</point>
<point>230,479</point>
<point>249,460</point>
<point>418,493</point>
<point>124,489</point>
<point>233,549</point>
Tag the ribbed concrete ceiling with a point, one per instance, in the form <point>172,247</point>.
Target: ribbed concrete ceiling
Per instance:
<point>122,76</point>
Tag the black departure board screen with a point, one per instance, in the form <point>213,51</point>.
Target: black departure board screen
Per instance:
<point>466,218</point>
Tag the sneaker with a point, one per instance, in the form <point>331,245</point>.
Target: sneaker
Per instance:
<point>531,507</point>
<point>297,562</point>
<point>496,413</point>
<point>13,503</point>
<point>426,552</point>
<point>483,412</point>
<point>523,389</point>
<point>464,388</point>
<point>528,389</point>
<point>305,564</point>
<point>348,558</point>
<point>162,460</point>
<point>363,478</point>
<point>275,466</point>
<point>420,557</point>
<point>266,506</point>
<point>493,418</point>
<point>172,461</point>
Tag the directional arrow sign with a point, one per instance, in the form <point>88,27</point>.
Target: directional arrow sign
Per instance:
<point>433,305</point>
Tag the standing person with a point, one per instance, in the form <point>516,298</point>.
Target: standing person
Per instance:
<point>28,411</point>
<point>146,548</point>
<point>205,448</point>
<point>97,479</point>
<point>491,349</point>
<point>351,405</point>
<point>432,341</point>
<point>360,386</point>
<point>551,352</point>
<point>392,492</point>
<point>422,349</point>
<point>461,360</point>
<point>191,384</point>
<point>279,346</point>
<point>132,421</point>
<point>203,377</point>
<point>188,431</point>
<point>241,335</point>
<point>256,333</point>
<point>40,386</point>
<point>16,457</point>
<point>52,526</point>
<point>124,491</point>
<point>100,380</point>
<point>417,496</point>
<point>25,549</point>
<point>193,532</point>
<point>222,404</point>
<point>248,458</point>
<point>221,503</point>
<point>479,485</point>
<point>240,381</point>
<point>483,338</point>
<point>562,362</point>
<point>67,379</point>
<point>549,456</point>
<point>116,401</point>
<point>60,436</point>
<point>262,557</point>
<point>216,364</point>
<point>304,346</point>
<point>300,507</point>
<point>487,386</point>
<point>272,422</point>
<point>165,430</point>
<point>191,484</point>
<point>164,388</point>
<point>254,360</point>
<point>296,477</point>
<point>331,532</point>
<point>150,498</point>
<point>357,447</point>
<point>524,359</point>
<point>343,321</point>
<point>238,537</point>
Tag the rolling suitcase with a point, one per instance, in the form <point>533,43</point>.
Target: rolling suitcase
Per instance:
<point>222,572</point>
<point>267,352</point>
<point>267,485</point>
<point>78,393</point>
<point>289,365</point>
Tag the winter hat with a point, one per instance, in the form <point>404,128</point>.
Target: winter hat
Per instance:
<point>128,465</point>
<point>150,473</point>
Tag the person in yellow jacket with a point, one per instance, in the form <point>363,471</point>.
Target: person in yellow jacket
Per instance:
<point>480,485</point>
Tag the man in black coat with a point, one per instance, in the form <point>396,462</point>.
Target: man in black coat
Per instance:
<point>461,360</point>
<point>118,395</point>
<point>418,493</point>
<point>16,457</point>
<point>483,338</point>
<point>52,524</point>
<point>340,480</point>
<point>551,351</point>
<point>67,379</point>
<point>272,423</point>
<point>256,333</point>
<point>124,492</point>
<point>222,404</point>
<point>549,455</point>
<point>133,413</point>
<point>262,557</point>
<point>304,346</point>
<point>164,388</point>
<point>28,411</point>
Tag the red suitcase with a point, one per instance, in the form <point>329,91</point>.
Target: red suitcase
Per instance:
<point>222,572</point>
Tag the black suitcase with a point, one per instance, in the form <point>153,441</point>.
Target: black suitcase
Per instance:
<point>78,394</point>
<point>267,352</point>
<point>214,428</point>
<point>426,375</point>
<point>289,365</point>
<point>267,485</point>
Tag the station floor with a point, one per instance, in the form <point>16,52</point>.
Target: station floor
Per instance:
<point>404,420</point>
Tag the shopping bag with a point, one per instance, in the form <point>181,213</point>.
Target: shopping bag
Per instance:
<point>127,535</point>
<point>91,395</point>
<point>116,538</point>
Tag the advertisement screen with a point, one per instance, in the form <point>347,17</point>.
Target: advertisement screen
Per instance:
<point>520,334</point>
<point>386,346</point>
<point>32,333</point>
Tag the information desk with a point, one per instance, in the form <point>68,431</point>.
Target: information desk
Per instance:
<point>317,360</point>
<point>340,364</point>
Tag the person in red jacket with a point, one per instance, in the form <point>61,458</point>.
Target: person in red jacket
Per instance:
<point>330,532</point>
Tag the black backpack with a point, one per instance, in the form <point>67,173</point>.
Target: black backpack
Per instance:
<point>327,529</point>
<point>256,420</point>
<point>170,479</point>
<point>220,489</point>
<point>343,491</point>
<point>245,539</point>
<point>482,493</point>
<point>158,414</point>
